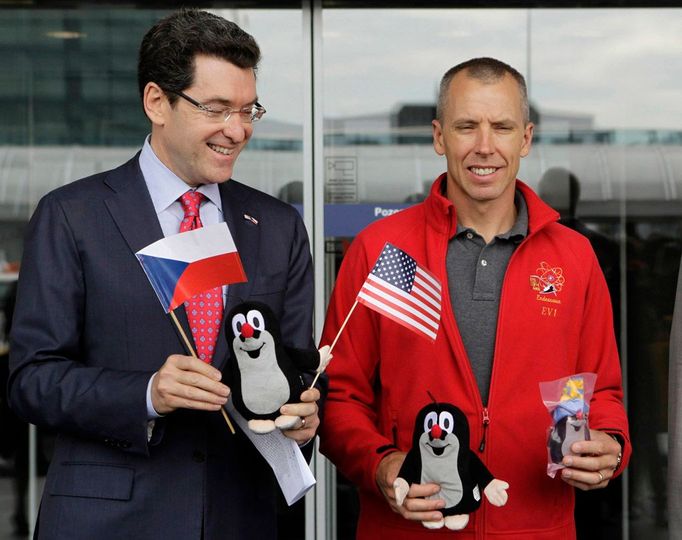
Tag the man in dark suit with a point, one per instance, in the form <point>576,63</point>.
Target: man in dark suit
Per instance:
<point>142,451</point>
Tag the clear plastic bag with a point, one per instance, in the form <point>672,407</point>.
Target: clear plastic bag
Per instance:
<point>568,402</point>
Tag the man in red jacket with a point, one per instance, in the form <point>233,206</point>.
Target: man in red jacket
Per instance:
<point>487,237</point>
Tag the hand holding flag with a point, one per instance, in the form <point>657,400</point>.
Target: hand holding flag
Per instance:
<point>183,265</point>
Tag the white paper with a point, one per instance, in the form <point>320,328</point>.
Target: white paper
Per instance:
<point>284,457</point>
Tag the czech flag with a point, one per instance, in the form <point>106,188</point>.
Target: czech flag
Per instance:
<point>188,263</point>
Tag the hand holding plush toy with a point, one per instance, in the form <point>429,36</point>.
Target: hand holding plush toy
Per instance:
<point>568,401</point>
<point>264,374</point>
<point>440,454</point>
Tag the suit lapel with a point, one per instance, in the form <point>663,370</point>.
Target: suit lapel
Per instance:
<point>131,207</point>
<point>132,210</point>
<point>246,236</point>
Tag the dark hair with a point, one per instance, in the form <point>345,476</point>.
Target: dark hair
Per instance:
<point>486,70</point>
<point>168,49</point>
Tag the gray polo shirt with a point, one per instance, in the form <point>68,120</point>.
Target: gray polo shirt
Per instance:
<point>475,275</point>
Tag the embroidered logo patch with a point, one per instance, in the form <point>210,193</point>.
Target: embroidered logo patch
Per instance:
<point>547,280</point>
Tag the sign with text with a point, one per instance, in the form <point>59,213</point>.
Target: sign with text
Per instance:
<point>341,179</point>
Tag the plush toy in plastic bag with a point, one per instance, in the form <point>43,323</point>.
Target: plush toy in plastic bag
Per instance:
<point>568,402</point>
<point>440,454</point>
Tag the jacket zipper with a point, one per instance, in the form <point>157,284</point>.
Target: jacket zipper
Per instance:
<point>481,517</point>
<point>486,421</point>
<point>486,417</point>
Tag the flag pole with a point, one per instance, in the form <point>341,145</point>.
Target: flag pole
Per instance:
<point>194,355</point>
<point>188,344</point>
<point>337,337</point>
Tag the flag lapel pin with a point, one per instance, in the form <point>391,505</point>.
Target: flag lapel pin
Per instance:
<point>250,218</point>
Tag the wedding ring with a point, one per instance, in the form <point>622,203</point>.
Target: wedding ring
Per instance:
<point>601,477</point>
<point>302,423</point>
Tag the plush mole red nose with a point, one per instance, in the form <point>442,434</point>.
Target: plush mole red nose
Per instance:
<point>247,330</point>
<point>436,432</point>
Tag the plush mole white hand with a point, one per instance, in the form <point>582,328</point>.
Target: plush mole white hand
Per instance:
<point>264,374</point>
<point>440,454</point>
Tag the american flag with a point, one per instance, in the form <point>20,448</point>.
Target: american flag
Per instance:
<point>404,291</point>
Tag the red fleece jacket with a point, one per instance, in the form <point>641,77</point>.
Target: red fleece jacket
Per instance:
<point>381,371</point>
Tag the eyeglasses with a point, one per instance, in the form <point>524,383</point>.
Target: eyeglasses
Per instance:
<point>248,115</point>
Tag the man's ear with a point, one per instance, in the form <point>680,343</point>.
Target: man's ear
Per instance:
<point>155,104</point>
<point>438,145</point>
<point>527,139</point>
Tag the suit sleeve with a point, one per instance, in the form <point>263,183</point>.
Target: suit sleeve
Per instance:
<point>296,321</point>
<point>52,380</point>
<point>351,436</point>
<point>598,354</point>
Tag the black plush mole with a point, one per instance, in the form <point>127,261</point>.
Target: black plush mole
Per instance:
<point>569,429</point>
<point>263,373</point>
<point>440,454</point>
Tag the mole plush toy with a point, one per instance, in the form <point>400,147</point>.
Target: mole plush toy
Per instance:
<point>440,454</point>
<point>569,429</point>
<point>264,374</point>
<point>568,401</point>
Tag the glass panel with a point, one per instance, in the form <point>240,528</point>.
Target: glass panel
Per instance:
<point>603,86</point>
<point>273,160</point>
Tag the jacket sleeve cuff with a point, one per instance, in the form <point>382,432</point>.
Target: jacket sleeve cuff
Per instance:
<point>380,453</point>
<point>624,454</point>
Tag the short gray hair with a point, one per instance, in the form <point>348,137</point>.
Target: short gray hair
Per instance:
<point>487,70</point>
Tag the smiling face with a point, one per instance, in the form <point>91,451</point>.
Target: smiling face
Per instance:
<point>197,149</point>
<point>483,136</point>
<point>250,335</point>
<point>437,438</point>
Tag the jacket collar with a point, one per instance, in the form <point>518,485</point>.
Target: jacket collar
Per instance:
<point>131,207</point>
<point>442,215</point>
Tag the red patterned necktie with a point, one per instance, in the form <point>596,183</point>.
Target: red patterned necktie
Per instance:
<point>205,310</point>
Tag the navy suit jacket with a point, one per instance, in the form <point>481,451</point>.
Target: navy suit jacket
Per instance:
<point>89,332</point>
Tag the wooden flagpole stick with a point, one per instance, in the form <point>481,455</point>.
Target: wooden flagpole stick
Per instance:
<point>337,338</point>
<point>188,344</point>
